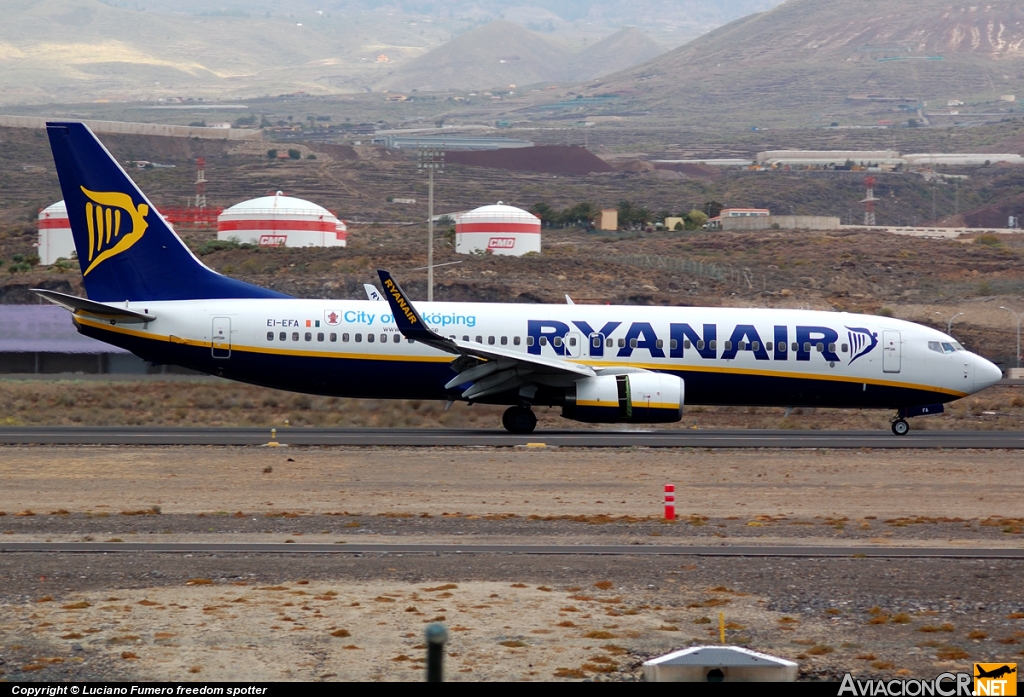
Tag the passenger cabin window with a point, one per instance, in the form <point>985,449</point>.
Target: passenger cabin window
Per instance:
<point>596,342</point>
<point>632,343</point>
<point>741,346</point>
<point>369,338</point>
<point>686,343</point>
<point>659,343</point>
<point>756,345</point>
<point>796,347</point>
<point>807,347</point>
<point>383,338</point>
<point>845,347</point>
<point>283,336</point>
<point>543,341</point>
<point>309,336</point>
<point>782,347</point>
<point>572,341</point>
<point>465,338</point>
<point>398,338</point>
<point>713,345</point>
<point>557,341</point>
<point>320,336</point>
<point>344,337</point>
<point>529,341</point>
<point>515,340</point>
<point>490,341</point>
<point>622,343</point>
<point>728,345</point>
<point>610,343</point>
<point>700,345</point>
<point>820,347</point>
<point>504,341</point>
<point>270,336</point>
<point>334,338</point>
<point>674,344</point>
<point>359,338</point>
<point>832,347</point>
<point>295,336</point>
<point>479,340</point>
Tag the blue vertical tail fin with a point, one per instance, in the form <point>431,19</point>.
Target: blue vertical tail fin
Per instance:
<point>126,249</point>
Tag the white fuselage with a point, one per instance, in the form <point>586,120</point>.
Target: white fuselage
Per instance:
<point>725,355</point>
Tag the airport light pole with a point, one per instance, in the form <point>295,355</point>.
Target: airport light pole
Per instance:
<point>949,324</point>
<point>1018,316</point>
<point>431,159</point>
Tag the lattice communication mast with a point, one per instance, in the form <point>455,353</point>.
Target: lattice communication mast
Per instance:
<point>200,182</point>
<point>869,201</point>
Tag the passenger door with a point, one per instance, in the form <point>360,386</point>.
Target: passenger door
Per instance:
<point>891,352</point>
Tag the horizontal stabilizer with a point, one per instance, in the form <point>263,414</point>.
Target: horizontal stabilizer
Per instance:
<point>82,306</point>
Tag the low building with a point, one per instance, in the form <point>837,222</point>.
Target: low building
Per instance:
<point>609,219</point>
<point>42,339</point>
<point>716,223</point>
<point>782,222</point>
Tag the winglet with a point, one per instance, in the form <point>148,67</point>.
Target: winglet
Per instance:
<point>408,319</point>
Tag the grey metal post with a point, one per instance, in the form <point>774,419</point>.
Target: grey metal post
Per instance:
<point>430,159</point>
<point>436,636</point>
<point>430,239</point>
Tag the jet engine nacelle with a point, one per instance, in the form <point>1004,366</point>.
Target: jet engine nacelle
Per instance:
<point>644,398</point>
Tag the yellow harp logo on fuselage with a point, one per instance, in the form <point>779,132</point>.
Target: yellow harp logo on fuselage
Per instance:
<point>103,218</point>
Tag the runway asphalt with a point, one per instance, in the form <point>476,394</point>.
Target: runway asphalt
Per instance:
<point>876,552</point>
<point>591,438</point>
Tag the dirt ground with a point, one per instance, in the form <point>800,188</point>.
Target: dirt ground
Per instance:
<point>548,481</point>
<point>361,617</point>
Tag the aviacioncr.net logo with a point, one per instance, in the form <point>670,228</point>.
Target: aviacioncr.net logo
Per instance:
<point>106,219</point>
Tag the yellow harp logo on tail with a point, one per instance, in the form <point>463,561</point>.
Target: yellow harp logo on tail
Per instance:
<point>103,217</point>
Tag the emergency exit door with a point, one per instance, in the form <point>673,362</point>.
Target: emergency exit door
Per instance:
<point>891,352</point>
<point>221,337</point>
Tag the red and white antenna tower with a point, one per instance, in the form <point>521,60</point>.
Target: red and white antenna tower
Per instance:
<point>200,182</point>
<point>869,201</point>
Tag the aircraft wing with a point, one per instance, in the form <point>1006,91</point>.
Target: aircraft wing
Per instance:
<point>502,369</point>
<point>83,306</point>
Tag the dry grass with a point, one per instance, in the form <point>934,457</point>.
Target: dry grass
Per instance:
<point>154,402</point>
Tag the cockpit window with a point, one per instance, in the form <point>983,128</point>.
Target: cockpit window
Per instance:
<point>941,347</point>
<point>947,347</point>
<point>957,346</point>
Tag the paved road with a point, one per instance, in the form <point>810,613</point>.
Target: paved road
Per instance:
<point>411,437</point>
<point>601,550</point>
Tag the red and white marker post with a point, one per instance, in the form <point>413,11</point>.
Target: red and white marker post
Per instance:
<point>670,502</point>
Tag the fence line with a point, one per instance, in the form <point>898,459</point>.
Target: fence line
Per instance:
<point>694,267</point>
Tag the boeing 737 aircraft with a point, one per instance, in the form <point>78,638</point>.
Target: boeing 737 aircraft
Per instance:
<point>601,364</point>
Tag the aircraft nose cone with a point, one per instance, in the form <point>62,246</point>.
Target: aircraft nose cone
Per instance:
<point>986,373</point>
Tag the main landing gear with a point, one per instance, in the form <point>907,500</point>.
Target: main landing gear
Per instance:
<point>519,419</point>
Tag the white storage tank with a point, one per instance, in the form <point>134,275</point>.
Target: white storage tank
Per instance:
<point>281,221</point>
<point>55,239</point>
<point>497,229</point>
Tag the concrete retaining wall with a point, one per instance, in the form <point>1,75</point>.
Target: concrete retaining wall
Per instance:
<point>141,129</point>
<point>785,222</point>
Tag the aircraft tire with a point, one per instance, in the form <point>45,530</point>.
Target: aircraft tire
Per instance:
<point>900,427</point>
<point>519,420</point>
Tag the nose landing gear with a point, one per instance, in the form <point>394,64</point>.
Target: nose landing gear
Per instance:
<point>900,427</point>
<point>519,419</point>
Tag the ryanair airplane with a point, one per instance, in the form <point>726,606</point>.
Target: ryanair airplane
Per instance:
<point>601,364</point>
